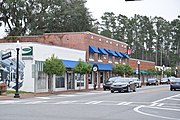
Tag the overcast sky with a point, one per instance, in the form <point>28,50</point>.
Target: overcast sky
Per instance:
<point>168,9</point>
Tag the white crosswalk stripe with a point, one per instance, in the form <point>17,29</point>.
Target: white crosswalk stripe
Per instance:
<point>94,102</point>
<point>43,98</point>
<point>65,102</point>
<point>35,102</point>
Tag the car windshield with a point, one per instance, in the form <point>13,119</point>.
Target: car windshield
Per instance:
<point>164,78</point>
<point>111,79</point>
<point>123,80</point>
<point>177,80</point>
<point>135,79</point>
<point>151,79</point>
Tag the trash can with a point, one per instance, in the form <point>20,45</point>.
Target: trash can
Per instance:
<point>3,88</point>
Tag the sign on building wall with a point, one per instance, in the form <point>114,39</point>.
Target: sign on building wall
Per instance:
<point>27,51</point>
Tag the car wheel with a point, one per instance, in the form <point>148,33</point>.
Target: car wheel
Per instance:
<point>134,89</point>
<point>104,89</point>
<point>171,89</point>
<point>128,89</point>
<point>112,91</point>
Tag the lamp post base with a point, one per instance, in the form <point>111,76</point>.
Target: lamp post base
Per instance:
<point>16,95</point>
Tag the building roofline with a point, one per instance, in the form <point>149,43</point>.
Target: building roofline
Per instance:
<point>106,38</point>
<point>87,33</point>
<point>35,36</point>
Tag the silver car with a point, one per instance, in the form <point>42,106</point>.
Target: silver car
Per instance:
<point>137,82</point>
<point>123,85</point>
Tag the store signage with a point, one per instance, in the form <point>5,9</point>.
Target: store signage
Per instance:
<point>95,68</point>
<point>6,55</point>
<point>27,51</point>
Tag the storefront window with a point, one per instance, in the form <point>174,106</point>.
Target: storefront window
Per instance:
<point>41,81</point>
<point>110,58</point>
<point>60,82</point>
<point>100,57</point>
<point>116,60</point>
<point>79,79</point>
<point>91,56</point>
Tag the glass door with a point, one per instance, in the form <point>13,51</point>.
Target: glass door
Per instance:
<point>70,81</point>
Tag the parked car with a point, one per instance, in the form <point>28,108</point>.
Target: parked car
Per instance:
<point>108,83</point>
<point>123,84</point>
<point>152,81</point>
<point>164,81</point>
<point>137,82</point>
<point>175,84</point>
<point>171,78</point>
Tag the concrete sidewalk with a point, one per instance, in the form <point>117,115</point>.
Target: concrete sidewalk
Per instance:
<point>44,94</point>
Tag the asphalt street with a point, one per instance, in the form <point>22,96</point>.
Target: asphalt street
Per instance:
<point>147,103</point>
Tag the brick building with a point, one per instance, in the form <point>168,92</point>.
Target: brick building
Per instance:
<point>99,50</point>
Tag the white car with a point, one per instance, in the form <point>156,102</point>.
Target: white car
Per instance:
<point>171,78</point>
<point>137,82</point>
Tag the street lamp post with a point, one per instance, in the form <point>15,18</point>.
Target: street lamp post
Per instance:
<point>176,71</point>
<point>17,72</point>
<point>163,70</point>
<point>138,69</point>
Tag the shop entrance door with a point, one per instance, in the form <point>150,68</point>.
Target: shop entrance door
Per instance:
<point>70,80</point>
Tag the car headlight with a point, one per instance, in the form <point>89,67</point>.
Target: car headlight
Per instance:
<point>124,85</point>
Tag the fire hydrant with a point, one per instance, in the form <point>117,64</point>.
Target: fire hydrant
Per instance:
<point>94,86</point>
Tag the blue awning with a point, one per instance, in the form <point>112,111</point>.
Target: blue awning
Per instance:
<point>101,66</point>
<point>69,63</point>
<point>93,49</point>
<point>111,52</point>
<point>119,54</point>
<point>124,55</point>
<point>102,51</point>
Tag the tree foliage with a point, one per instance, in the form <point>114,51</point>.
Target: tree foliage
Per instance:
<point>34,17</point>
<point>152,71</point>
<point>151,38</point>
<point>168,72</point>
<point>122,70</point>
<point>53,66</point>
<point>82,68</point>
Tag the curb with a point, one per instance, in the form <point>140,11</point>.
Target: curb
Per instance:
<point>44,94</point>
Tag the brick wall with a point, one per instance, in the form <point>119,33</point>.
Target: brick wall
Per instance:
<point>81,41</point>
<point>144,65</point>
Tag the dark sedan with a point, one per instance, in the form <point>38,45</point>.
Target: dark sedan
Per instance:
<point>123,84</point>
<point>108,83</point>
<point>175,84</point>
<point>152,81</point>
